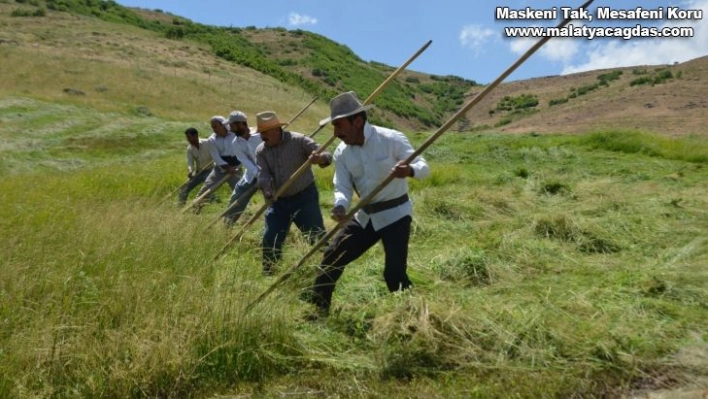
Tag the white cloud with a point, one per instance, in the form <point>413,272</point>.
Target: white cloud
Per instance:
<point>612,53</point>
<point>560,49</point>
<point>556,49</point>
<point>296,19</point>
<point>519,45</point>
<point>475,37</point>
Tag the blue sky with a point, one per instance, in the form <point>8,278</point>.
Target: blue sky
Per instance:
<point>468,40</point>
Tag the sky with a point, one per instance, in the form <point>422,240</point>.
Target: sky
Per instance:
<point>468,37</point>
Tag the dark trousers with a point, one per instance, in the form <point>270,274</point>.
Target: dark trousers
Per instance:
<point>350,243</point>
<point>196,180</point>
<point>241,194</point>
<point>303,209</point>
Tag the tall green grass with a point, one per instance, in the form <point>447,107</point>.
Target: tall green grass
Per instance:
<point>519,290</point>
<point>690,148</point>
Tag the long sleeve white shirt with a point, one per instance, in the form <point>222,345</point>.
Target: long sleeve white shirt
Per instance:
<point>363,168</point>
<point>222,146</point>
<point>246,153</point>
<point>198,158</point>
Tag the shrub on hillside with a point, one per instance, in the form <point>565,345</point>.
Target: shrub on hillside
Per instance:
<point>175,33</point>
<point>641,81</point>
<point>522,101</point>
<point>557,101</point>
<point>582,90</point>
<point>20,12</point>
<point>605,78</point>
<point>663,76</point>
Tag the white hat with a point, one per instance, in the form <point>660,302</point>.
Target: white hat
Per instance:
<point>217,118</point>
<point>236,116</point>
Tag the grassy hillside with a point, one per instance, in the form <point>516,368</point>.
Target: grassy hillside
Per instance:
<point>557,265</point>
<point>123,69</point>
<point>304,59</point>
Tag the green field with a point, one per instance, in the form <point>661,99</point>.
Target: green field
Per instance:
<point>543,266</point>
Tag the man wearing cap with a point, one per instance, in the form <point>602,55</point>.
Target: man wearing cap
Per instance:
<point>366,156</point>
<point>224,155</point>
<point>198,162</point>
<point>245,146</point>
<point>279,157</point>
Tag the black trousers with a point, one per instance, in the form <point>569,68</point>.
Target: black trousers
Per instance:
<point>350,243</point>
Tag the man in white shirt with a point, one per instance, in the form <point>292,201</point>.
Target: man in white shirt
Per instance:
<point>366,156</point>
<point>245,146</point>
<point>223,153</point>
<point>198,162</point>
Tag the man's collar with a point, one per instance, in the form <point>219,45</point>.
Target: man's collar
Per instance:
<point>368,131</point>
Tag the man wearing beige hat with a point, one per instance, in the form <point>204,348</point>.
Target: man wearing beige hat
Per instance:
<point>224,156</point>
<point>245,145</point>
<point>366,156</point>
<point>281,154</point>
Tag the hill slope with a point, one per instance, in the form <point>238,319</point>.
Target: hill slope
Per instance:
<point>319,66</point>
<point>671,101</point>
<point>128,70</point>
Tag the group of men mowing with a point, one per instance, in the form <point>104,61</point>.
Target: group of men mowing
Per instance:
<point>270,155</point>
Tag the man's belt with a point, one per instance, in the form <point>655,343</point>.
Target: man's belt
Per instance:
<point>299,193</point>
<point>232,161</point>
<point>384,205</point>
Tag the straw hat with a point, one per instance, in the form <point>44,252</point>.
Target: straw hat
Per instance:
<point>345,104</point>
<point>267,120</point>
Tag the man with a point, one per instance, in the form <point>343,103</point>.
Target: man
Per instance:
<point>281,154</point>
<point>245,146</point>
<point>198,162</point>
<point>366,156</point>
<point>223,153</point>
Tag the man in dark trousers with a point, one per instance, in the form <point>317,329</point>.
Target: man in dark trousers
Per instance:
<point>366,156</point>
<point>223,152</point>
<point>281,154</point>
<point>198,163</point>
